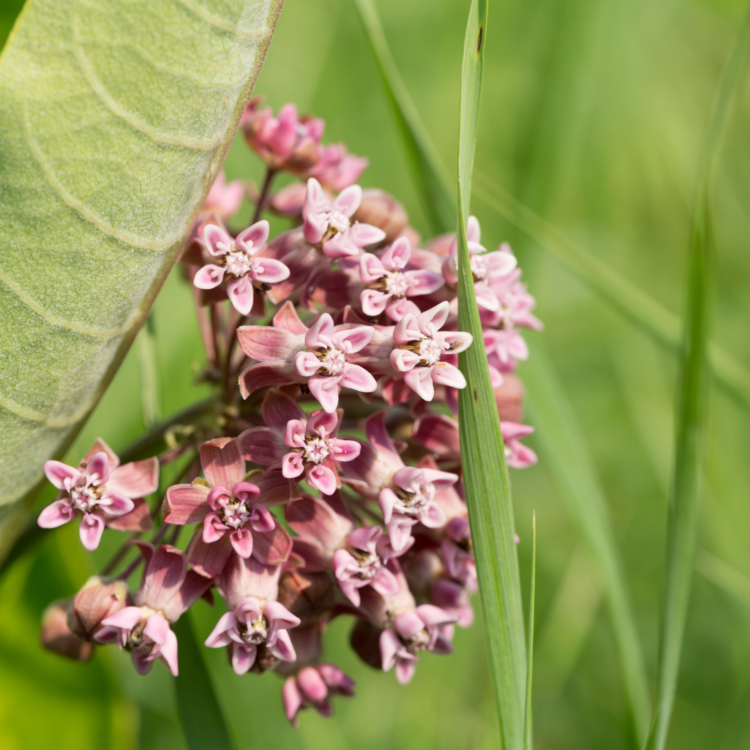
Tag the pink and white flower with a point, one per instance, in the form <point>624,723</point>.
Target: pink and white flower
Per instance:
<point>336,168</point>
<point>224,198</point>
<point>251,625</point>
<point>420,347</point>
<point>390,280</point>
<point>237,261</point>
<point>102,492</point>
<point>328,222</point>
<point>314,686</point>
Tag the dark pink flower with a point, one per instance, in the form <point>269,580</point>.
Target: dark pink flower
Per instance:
<point>321,356</point>
<point>419,349</point>
<point>316,450</point>
<point>251,625</point>
<point>234,512</point>
<point>390,281</point>
<point>517,455</point>
<point>166,591</point>
<point>336,168</point>
<point>315,686</point>
<point>237,260</point>
<point>224,198</point>
<point>99,490</point>
<point>457,553</point>
<point>328,223</point>
<point>414,631</point>
<point>361,564</point>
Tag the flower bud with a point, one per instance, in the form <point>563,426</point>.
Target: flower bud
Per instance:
<point>509,398</point>
<point>382,210</point>
<point>57,636</point>
<point>98,599</point>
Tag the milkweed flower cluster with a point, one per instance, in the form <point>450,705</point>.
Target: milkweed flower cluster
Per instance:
<point>327,482</point>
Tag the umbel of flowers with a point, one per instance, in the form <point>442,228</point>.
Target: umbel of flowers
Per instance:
<point>327,481</point>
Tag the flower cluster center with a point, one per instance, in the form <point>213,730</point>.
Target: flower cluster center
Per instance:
<point>234,512</point>
<point>332,360</point>
<point>316,450</point>
<point>237,263</point>
<point>395,283</point>
<point>256,632</point>
<point>338,221</point>
<point>369,564</point>
<point>85,497</point>
<point>429,352</point>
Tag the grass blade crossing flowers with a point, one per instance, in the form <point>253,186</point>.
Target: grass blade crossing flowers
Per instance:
<point>482,449</point>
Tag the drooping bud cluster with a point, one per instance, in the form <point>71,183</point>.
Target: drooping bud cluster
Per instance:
<point>334,348</point>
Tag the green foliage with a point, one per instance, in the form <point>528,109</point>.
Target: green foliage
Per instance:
<point>114,119</point>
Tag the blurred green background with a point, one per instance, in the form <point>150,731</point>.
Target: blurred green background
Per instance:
<point>593,113</point>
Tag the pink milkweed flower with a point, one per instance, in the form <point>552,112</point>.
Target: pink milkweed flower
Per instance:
<point>505,348</point>
<point>251,625</point>
<point>390,281</point>
<point>234,512</point>
<point>419,348</point>
<point>328,223</point>
<point>237,260</point>
<point>452,597</point>
<point>101,491</point>
<point>360,564</point>
<point>314,686</point>
<point>224,198</point>
<point>517,455</point>
<point>287,141</point>
<point>315,448</point>
<point>337,169</point>
<point>414,631</point>
<point>320,356</point>
<point>485,267</point>
<point>166,591</point>
<point>457,553</point>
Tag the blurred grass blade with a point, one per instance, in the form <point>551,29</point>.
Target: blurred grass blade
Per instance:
<point>530,639</point>
<point>149,372</point>
<point>639,308</point>
<point>485,472</point>
<point>427,166</point>
<point>724,576</point>
<point>200,715</point>
<point>682,518</point>
<point>564,451</point>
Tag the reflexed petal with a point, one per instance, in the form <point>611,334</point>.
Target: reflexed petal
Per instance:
<point>267,344</point>
<point>322,478</point>
<point>216,239</point>
<point>320,333</point>
<point>62,476</point>
<point>209,559</point>
<point>278,408</point>
<point>363,235</point>
<point>447,374</point>
<point>136,479</point>
<point>370,268</point>
<point>349,199</point>
<point>282,647</point>
<point>116,504</point>
<point>213,528</point>
<point>142,661</point>
<point>437,433</point>
<point>209,277</point>
<point>345,450</point>
<point>423,282</point>
<point>242,542</point>
<point>241,294</point>
<point>270,271</point>
<point>272,547</point>
<point>223,463</point>
<point>420,381</point>
<point>262,375</point>
<point>56,514</point>
<point>243,658</point>
<point>91,530</point>
<point>261,445</point>
<point>168,653</point>
<point>313,518</point>
<point>139,519</point>
<point>397,255</point>
<point>287,319</point>
<point>351,340</point>
<point>275,489</point>
<point>373,302</point>
<point>403,360</point>
<point>356,378</point>
<point>306,364</point>
<point>186,504</point>
<point>220,634</point>
<point>292,465</point>
<point>97,468</point>
<point>163,577</point>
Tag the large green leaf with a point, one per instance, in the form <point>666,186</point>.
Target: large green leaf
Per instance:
<point>485,472</point>
<point>115,116</point>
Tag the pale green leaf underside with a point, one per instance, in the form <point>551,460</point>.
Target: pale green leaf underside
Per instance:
<point>114,117</point>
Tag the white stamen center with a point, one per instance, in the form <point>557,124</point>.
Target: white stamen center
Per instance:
<point>396,284</point>
<point>237,263</point>
<point>333,360</point>
<point>316,450</point>
<point>85,497</point>
<point>338,220</point>
<point>256,632</point>
<point>478,268</point>
<point>429,352</point>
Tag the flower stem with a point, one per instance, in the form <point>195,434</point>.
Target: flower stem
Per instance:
<point>264,191</point>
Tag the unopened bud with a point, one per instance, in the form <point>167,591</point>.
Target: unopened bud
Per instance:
<point>382,210</point>
<point>57,636</point>
<point>97,600</point>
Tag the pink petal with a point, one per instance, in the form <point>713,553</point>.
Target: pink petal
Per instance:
<point>370,268</point>
<point>261,445</point>
<point>397,255</point>
<point>209,559</point>
<point>168,653</point>
<point>315,519</point>
<point>437,433</point>
<point>186,504</point>
<point>280,617</point>
<point>241,294</point>
<point>345,450</point>
<point>406,330</point>
<point>275,489</point>
<point>385,583</point>
<point>243,658</point>
<point>163,577</point>
<point>136,479</point>
<point>446,374</point>
<point>351,340</point>
<point>56,514</point>
<point>91,530</point>
<point>458,341</point>
<point>142,661</point>
<point>219,635</point>
<point>431,321</point>
<point>405,669</point>
<point>278,408</point>
<point>326,391</point>
<point>288,320</point>
<point>423,282</point>
<point>341,246</point>
<point>515,431</point>
<point>213,528</point>
<point>139,519</point>
<point>312,685</point>
<point>390,644</point>
<point>261,519</point>
<point>156,628</point>
<point>292,700</point>
<point>398,309</point>
<point>420,381</point>
<point>97,468</point>
<point>254,237</point>
<point>322,478</point>
<point>349,199</point>
<point>247,492</point>
<point>432,516</point>
<point>223,464</point>
<point>126,619</point>
<point>320,333</point>
<point>209,277</point>
<point>356,378</point>
<point>292,465</point>
<point>115,504</point>
<point>272,547</point>
<point>242,542</point>
<point>373,302</point>
<point>262,375</point>
<point>306,364</point>
<point>62,476</point>
<point>283,648</point>
<point>322,423</point>
<point>363,235</point>
<point>267,344</point>
<point>270,271</point>
<point>216,239</point>
<point>403,360</point>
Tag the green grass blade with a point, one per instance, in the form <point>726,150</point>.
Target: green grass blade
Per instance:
<point>484,469</point>
<point>530,639</point>
<point>682,519</point>
<point>564,452</point>
<point>200,715</point>
<point>636,306</point>
<point>428,169</point>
